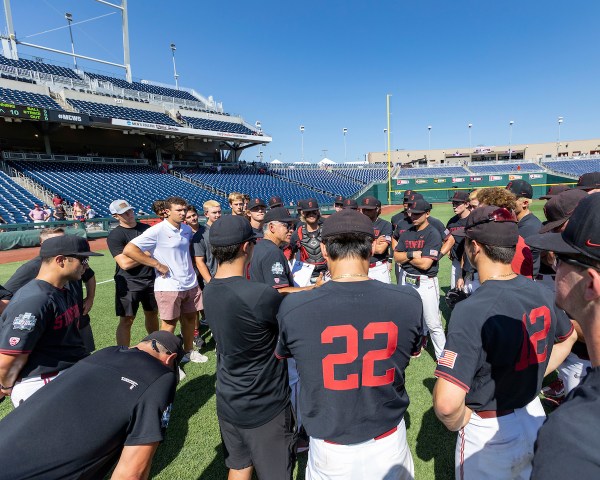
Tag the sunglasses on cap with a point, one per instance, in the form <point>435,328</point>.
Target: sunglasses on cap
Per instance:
<point>558,258</point>
<point>82,260</point>
<point>500,215</point>
<point>155,345</point>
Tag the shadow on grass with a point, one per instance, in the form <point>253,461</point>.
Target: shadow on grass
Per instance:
<point>189,399</point>
<point>435,442</point>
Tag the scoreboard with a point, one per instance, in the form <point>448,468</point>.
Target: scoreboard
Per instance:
<point>22,111</point>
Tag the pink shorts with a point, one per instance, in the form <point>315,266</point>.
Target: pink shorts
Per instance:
<point>172,304</point>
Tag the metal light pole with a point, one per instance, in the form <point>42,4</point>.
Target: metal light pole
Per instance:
<point>470,143</point>
<point>173,48</point>
<point>510,124</point>
<point>389,150</point>
<point>69,18</point>
<point>302,137</point>
<point>429,136</point>
<point>560,121</point>
<point>345,131</point>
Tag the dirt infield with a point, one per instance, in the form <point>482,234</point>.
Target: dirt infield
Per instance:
<point>21,254</point>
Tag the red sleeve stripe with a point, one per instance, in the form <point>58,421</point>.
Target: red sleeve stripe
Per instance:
<point>279,357</point>
<point>451,379</point>
<point>564,337</point>
<point>14,352</point>
<point>427,256</point>
<point>277,287</point>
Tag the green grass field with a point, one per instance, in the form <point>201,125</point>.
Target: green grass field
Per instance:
<point>192,447</point>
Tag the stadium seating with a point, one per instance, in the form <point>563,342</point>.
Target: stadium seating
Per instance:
<point>99,185</point>
<point>217,125</point>
<point>15,201</point>
<point>574,167</point>
<point>506,168</point>
<point>255,184</point>
<point>321,179</point>
<point>431,172</point>
<point>27,98</point>
<point>364,175</point>
<point>124,113</point>
<point>144,87</point>
<point>40,67</point>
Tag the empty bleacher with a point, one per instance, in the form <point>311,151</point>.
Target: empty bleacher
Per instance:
<point>574,167</point>
<point>364,175</point>
<point>431,172</point>
<point>30,99</point>
<point>506,168</point>
<point>217,125</point>
<point>15,201</point>
<point>124,113</point>
<point>99,185</point>
<point>321,179</point>
<point>39,67</point>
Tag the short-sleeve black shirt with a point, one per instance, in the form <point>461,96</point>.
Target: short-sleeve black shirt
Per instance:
<point>485,352</point>
<point>566,444</point>
<point>115,397</point>
<point>43,321</point>
<point>439,226</point>
<point>428,241</point>
<point>456,227</point>
<point>402,226</point>
<point>252,385</point>
<point>134,279</point>
<point>351,342</point>
<point>382,228</point>
<point>269,265</point>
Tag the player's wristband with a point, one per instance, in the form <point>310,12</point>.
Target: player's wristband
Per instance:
<point>390,260</point>
<point>409,255</point>
<point>2,387</point>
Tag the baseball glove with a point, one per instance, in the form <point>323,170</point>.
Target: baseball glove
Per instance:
<point>454,296</point>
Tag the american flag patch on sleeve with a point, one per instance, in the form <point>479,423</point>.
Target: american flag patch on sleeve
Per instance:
<point>447,358</point>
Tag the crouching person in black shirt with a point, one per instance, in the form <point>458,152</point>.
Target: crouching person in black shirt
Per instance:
<point>253,396</point>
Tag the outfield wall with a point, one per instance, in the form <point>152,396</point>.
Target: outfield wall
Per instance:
<point>441,189</point>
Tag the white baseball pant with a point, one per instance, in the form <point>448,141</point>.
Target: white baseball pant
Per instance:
<point>499,448</point>
<point>430,296</point>
<point>472,285</point>
<point>388,458</point>
<point>455,273</point>
<point>380,271</point>
<point>572,371</point>
<point>28,386</point>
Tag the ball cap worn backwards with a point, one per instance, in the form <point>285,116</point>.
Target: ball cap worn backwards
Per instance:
<point>230,230</point>
<point>580,237</point>
<point>491,225</point>
<point>347,221</point>
<point>118,207</point>
<point>67,245</point>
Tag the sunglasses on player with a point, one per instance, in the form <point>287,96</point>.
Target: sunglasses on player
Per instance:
<point>500,215</point>
<point>571,261</point>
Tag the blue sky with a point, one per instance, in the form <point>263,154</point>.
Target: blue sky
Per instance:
<point>328,65</point>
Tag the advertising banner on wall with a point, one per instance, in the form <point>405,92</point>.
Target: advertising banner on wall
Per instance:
<point>515,177</point>
<point>458,180</point>
<point>421,181</point>
<point>495,178</point>
<point>533,176</point>
<point>439,180</point>
<point>402,182</point>
<point>476,179</point>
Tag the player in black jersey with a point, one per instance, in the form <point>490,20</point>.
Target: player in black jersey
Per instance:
<point>566,445</point>
<point>338,203</point>
<point>379,268</point>
<point>500,345</point>
<point>351,358</point>
<point>455,247</point>
<point>255,211</point>
<point>306,239</point>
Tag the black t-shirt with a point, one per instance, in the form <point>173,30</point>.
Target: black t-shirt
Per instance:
<point>439,226</point>
<point>397,218</point>
<point>43,321</point>
<point>566,445</point>
<point>5,294</point>
<point>382,228</point>
<point>456,227</point>
<point>428,241</point>
<point>531,225</point>
<point>200,247</point>
<point>76,426</point>
<point>351,342</point>
<point>402,225</point>
<point>134,279</point>
<point>485,353</point>
<point>252,385</point>
<point>258,232</point>
<point>269,265</point>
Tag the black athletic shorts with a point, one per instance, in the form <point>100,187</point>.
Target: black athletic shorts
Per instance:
<point>127,303</point>
<point>270,448</point>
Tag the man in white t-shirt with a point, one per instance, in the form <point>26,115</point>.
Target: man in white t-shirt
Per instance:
<point>176,289</point>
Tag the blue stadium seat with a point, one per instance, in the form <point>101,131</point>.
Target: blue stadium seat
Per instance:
<point>15,201</point>
<point>322,179</point>
<point>27,98</point>
<point>218,126</point>
<point>431,172</point>
<point>124,113</point>
<point>574,167</point>
<point>40,67</point>
<point>526,167</point>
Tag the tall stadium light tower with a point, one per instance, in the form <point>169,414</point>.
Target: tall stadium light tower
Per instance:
<point>173,48</point>
<point>302,140</point>
<point>69,18</point>
<point>560,121</point>
<point>470,143</point>
<point>429,136</point>
<point>345,131</point>
<point>510,124</point>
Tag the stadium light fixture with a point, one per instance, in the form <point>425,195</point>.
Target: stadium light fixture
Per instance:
<point>69,18</point>
<point>302,138</point>
<point>470,143</point>
<point>429,136</point>
<point>173,48</point>
<point>510,125</point>
<point>345,131</point>
<point>560,121</point>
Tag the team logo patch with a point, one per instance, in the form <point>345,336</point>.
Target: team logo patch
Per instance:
<point>276,279</point>
<point>435,253</point>
<point>25,321</point>
<point>166,416</point>
<point>447,358</point>
<point>12,341</point>
<point>130,382</point>
<point>277,268</point>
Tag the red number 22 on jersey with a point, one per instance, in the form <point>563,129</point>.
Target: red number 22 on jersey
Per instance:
<point>349,332</point>
<point>529,350</point>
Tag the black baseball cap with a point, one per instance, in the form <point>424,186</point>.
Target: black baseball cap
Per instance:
<point>460,196</point>
<point>369,203</point>
<point>172,343</point>
<point>275,201</point>
<point>492,226</point>
<point>589,181</point>
<point>67,245</point>
<point>277,214</point>
<point>554,190</point>
<point>256,202</point>
<point>308,205</point>
<point>420,205</point>
<point>520,188</point>
<point>560,208</point>
<point>230,230</point>
<point>580,237</point>
<point>350,204</point>
<point>347,221</point>
<point>408,193</point>
<point>339,200</point>
<point>412,197</point>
